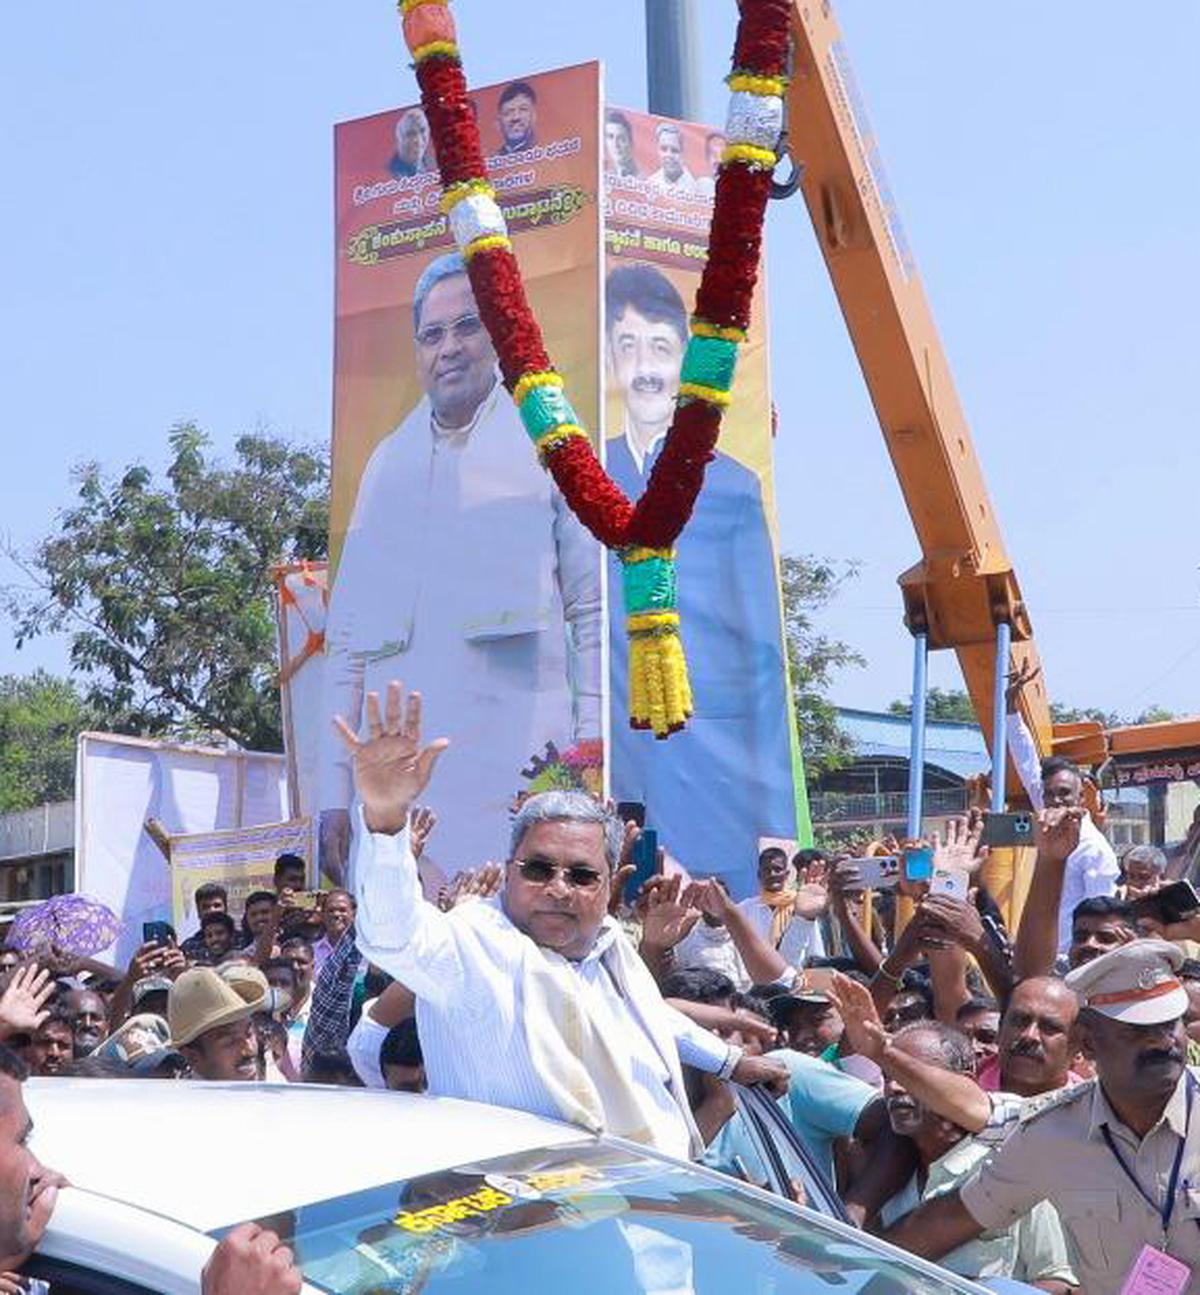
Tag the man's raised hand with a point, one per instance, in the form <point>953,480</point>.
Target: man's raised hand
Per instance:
<point>864,1031</point>
<point>1026,673</point>
<point>23,1005</point>
<point>391,768</point>
<point>421,823</point>
<point>1058,833</point>
<point>667,916</point>
<point>959,849</point>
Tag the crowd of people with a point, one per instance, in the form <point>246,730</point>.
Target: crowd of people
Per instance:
<point>1012,1104</point>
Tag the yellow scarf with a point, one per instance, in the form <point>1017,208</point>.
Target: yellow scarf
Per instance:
<point>783,906</point>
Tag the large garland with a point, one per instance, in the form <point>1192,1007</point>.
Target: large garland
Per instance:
<point>642,534</point>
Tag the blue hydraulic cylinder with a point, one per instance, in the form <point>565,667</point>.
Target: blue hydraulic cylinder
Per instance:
<point>916,751</point>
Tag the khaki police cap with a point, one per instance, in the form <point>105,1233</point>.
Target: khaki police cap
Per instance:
<point>1137,983</point>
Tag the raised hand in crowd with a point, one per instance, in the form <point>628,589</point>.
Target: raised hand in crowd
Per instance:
<point>667,916</point>
<point>1026,673</point>
<point>865,1034</point>
<point>151,959</point>
<point>421,823</point>
<point>763,963</point>
<point>391,768</point>
<point>1057,835</point>
<point>23,1003</point>
<point>479,883</point>
<point>955,1097</point>
<point>156,959</point>
<point>959,848</point>
<point>948,920</point>
<point>847,906</point>
<point>251,1261</point>
<point>812,897</point>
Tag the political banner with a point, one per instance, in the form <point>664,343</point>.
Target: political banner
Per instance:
<point>121,783</point>
<point>301,609</point>
<point>733,775</point>
<point>458,569</point>
<point>240,859</point>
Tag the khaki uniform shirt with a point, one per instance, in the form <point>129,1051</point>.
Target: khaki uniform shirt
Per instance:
<point>1060,1155</point>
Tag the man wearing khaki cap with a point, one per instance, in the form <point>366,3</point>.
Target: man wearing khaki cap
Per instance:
<point>210,1024</point>
<point>1118,1156</point>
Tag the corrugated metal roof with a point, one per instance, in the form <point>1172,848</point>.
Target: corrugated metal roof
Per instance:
<point>957,748</point>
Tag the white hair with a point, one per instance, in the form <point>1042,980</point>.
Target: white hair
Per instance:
<point>567,807</point>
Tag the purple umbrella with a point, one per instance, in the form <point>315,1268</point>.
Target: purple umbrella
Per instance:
<point>73,924</point>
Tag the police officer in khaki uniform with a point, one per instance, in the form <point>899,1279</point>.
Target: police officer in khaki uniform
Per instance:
<point>1119,1156</point>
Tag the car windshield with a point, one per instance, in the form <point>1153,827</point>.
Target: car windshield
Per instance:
<point>584,1218</point>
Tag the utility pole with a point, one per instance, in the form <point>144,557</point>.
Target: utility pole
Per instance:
<point>671,58</point>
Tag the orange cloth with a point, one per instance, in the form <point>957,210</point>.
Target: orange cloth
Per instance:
<point>783,907</point>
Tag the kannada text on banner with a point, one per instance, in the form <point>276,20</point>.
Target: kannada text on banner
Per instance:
<point>459,569</point>
<point>738,756</point>
<point>242,860</point>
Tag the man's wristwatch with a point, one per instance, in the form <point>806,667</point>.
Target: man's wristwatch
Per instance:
<point>731,1062</point>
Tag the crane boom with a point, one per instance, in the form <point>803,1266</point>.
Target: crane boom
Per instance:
<point>964,585</point>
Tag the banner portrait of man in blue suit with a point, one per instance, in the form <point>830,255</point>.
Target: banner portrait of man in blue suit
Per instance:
<point>714,789</point>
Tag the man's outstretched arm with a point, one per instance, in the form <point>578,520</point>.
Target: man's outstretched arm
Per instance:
<point>396,928</point>
<point>935,1227</point>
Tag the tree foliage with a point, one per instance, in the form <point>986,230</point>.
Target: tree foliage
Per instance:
<point>164,586</point>
<point>40,718</point>
<point>1109,718</point>
<point>950,705</point>
<point>809,585</point>
<point>954,704</point>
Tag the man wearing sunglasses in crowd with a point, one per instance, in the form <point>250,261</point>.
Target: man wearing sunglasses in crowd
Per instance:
<point>537,1001</point>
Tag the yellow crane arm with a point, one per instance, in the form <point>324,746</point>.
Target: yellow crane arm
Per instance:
<point>964,584</point>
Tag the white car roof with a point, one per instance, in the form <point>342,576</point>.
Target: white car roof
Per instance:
<point>210,1155</point>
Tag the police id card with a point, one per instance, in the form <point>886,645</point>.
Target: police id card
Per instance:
<point>1156,1273</point>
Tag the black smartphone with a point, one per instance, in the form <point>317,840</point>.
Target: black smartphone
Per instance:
<point>632,811</point>
<point>1008,829</point>
<point>645,863</point>
<point>160,933</point>
<point>1173,903</point>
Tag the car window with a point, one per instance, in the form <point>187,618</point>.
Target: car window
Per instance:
<point>783,1156</point>
<point>591,1218</point>
<point>65,1278</point>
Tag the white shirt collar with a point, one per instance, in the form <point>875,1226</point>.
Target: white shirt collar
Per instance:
<point>459,435</point>
<point>639,455</point>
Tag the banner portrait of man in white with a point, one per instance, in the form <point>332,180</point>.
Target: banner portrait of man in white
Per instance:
<point>464,573</point>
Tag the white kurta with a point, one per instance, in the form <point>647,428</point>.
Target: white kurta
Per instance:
<point>465,575</point>
<point>1092,868</point>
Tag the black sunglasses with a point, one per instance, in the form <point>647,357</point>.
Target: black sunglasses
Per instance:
<point>541,872</point>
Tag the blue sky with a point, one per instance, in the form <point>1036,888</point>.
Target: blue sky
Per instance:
<point>166,253</point>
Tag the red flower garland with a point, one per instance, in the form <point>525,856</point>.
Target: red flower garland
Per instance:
<point>722,300</point>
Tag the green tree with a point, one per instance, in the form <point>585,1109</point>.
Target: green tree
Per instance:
<point>1109,718</point>
<point>946,704</point>
<point>165,589</point>
<point>809,585</point>
<point>1155,715</point>
<point>40,718</point>
<point>955,704</point>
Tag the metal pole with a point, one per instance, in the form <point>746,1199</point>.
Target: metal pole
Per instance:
<point>671,64</point>
<point>999,717</point>
<point>916,750</point>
